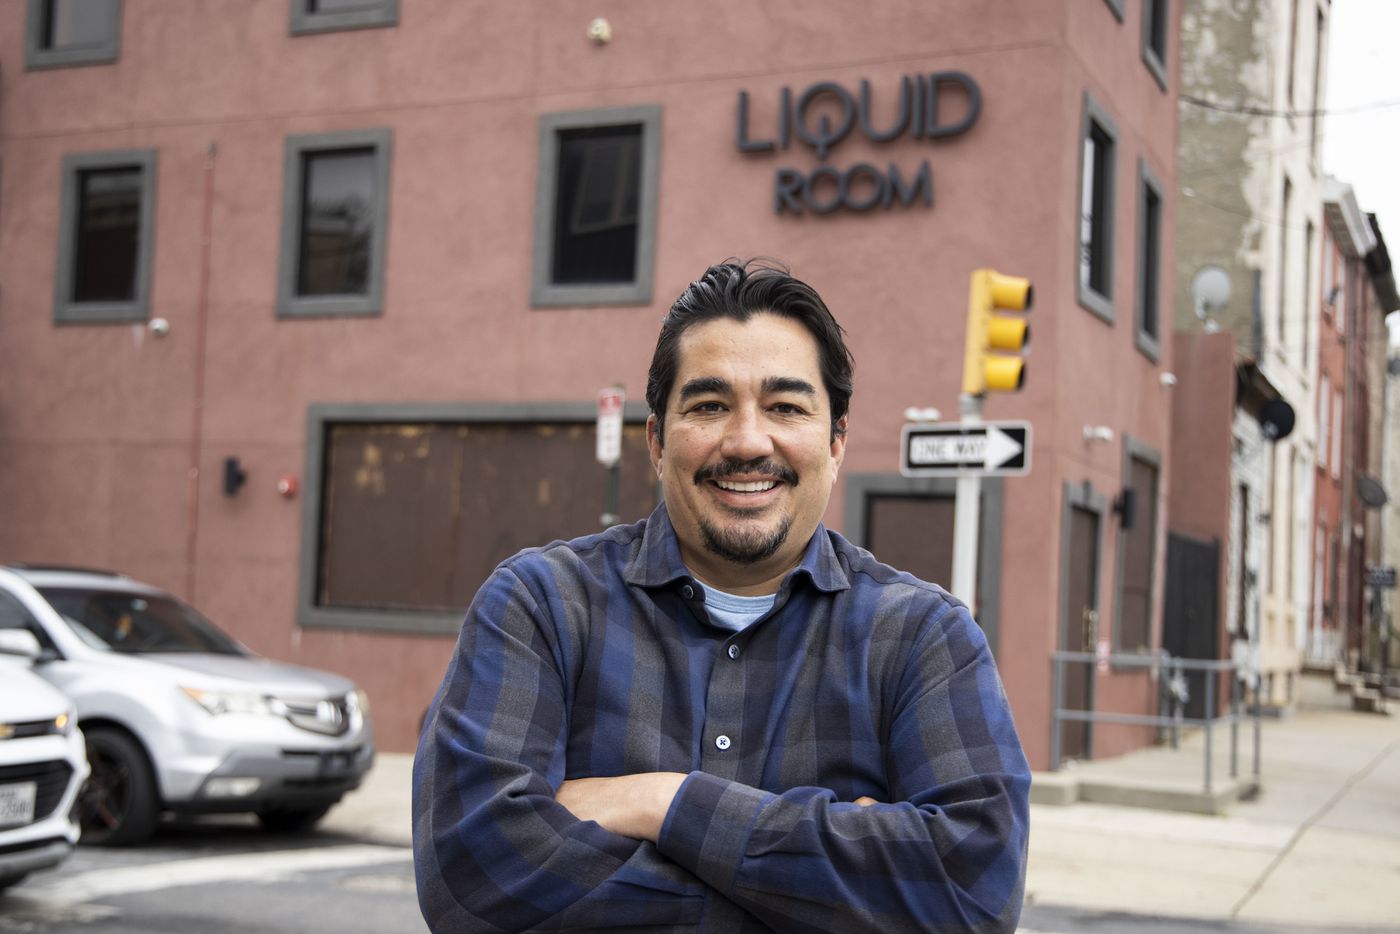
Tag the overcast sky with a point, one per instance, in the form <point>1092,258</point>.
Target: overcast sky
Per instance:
<point>1361,135</point>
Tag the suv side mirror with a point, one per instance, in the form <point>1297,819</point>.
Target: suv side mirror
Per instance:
<point>20,642</point>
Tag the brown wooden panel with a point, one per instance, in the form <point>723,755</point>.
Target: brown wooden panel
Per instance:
<point>417,516</point>
<point>387,519</point>
<point>913,533</point>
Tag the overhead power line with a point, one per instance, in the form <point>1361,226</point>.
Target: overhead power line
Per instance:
<point>1255,110</point>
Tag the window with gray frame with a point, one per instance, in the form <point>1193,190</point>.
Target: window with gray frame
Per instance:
<point>1149,265</point>
<point>1095,240</point>
<point>335,211</point>
<point>64,33</point>
<point>1155,19</point>
<point>409,508</point>
<point>1117,7</point>
<point>1137,551</point>
<point>312,16</point>
<point>105,235</point>
<point>595,207</point>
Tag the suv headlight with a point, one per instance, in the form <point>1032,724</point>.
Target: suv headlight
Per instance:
<point>65,723</point>
<point>360,701</point>
<point>217,702</point>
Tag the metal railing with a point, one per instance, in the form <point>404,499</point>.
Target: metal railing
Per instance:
<point>1173,697</point>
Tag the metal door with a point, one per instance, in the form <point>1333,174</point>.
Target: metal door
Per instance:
<point>1079,628</point>
<point>1191,613</point>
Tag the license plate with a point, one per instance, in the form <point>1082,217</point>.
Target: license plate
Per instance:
<point>17,803</point>
<point>336,764</point>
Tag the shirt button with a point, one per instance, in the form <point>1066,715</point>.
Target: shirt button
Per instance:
<point>722,742</point>
<point>688,591</point>
<point>733,651</point>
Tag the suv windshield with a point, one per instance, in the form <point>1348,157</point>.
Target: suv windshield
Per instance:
<point>137,623</point>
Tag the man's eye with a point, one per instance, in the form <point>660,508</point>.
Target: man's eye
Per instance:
<point>787,408</point>
<point>708,408</point>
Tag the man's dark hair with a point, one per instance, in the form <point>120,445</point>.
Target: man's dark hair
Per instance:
<point>738,290</point>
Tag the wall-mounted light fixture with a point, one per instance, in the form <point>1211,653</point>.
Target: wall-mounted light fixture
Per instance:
<point>1124,504</point>
<point>1098,433</point>
<point>600,31</point>
<point>234,476</point>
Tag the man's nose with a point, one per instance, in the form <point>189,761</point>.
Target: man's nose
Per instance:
<point>746,436</point>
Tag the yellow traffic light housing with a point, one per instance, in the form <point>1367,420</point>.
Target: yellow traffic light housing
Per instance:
<point>993,361</point>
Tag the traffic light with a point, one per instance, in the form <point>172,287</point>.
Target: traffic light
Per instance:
<point>996,339</point>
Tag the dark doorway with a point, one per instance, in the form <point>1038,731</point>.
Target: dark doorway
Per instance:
<point>1191,614</point>
<point>1079,627</point>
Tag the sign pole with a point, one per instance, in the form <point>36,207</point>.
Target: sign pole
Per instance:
<point>965,509</point>
<point>609,451</point>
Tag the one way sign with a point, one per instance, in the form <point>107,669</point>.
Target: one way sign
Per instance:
<point>950,449</point>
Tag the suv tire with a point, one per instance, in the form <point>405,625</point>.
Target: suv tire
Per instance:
<point>118,804</point>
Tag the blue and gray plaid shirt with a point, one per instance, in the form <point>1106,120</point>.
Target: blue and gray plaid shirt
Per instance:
<point>595,658</point>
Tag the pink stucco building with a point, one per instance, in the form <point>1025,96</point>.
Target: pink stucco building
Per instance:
<point>378,258</point>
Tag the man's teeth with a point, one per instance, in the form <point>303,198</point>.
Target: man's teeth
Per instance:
<point>756,486</point>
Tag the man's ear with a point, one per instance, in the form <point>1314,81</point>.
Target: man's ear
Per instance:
<point>838,446</point>
<point>654,443</point>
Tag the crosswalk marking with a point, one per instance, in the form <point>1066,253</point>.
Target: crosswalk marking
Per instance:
<point>71,889</point>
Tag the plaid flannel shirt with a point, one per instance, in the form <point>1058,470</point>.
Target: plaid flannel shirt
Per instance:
<point>595,658</point>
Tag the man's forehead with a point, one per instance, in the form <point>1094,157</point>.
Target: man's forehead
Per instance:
<point>757,341</point>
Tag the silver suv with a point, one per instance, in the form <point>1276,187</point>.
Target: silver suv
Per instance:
<point>178,716</point>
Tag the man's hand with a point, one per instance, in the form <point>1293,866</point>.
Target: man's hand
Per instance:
<point>628,805</point>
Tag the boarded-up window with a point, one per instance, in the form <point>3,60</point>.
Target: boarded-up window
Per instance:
<point>914,534</point>
<point>416,516</point>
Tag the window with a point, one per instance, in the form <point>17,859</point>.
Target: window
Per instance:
<point>1318,47</point>
<point>62,33</point>
<point>595,217</point>
<point>1329,300</point>
<point>1283,238</point>
<point>1149,328</point>
<point>1096,212</point>
<point>1324,406</point>
<point>1308,234</point>
<point>1338,431</point>
<point>409,508</point>
<point>312,16</point>
<point>1137,545</point>
<point>1117,7</point>
<point>105,235</point>
<point>335,208</point>
<point>1154,39</point>
<point>1292,49</point>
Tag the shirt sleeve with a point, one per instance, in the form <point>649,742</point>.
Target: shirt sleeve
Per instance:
<point>493,850</point>
<point>946,853</point>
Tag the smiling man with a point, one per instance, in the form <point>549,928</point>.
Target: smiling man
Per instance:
<point>727,717</point>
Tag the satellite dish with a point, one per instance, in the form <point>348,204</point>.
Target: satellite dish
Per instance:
<point>1210,288</point>
<point>1277,419</point>
<point>1370,492</point>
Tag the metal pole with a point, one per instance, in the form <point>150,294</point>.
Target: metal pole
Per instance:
<point>610,517</point>
<point>1057,691</point>
<point>1176,704</point>
<point>1210,722</point>
<point>965,510</point>
<point>1258,738</point>
<point>1234,726</point>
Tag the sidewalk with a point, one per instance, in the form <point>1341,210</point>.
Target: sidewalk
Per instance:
<point>1320,845</point>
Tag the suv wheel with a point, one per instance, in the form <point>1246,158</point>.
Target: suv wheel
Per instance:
<point>118,804</point>
<point>292,820</point>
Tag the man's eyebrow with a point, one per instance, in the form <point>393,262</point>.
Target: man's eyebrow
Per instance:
<point>781,384</point>
<point>704,386</point>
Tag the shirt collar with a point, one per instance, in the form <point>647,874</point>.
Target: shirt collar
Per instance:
<point>658,560</point>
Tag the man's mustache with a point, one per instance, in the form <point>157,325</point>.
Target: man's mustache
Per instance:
<point>731,467</point>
